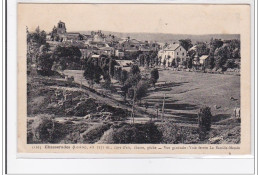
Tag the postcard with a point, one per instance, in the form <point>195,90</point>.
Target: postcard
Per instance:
<point>134,78</point>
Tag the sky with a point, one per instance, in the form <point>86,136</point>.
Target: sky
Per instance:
<point>150,18</point>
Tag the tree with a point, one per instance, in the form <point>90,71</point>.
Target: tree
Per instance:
<point>141,59</point>
<point>221,55</point>
<point>204,121</point>
<point>117,73</point>
<point>147,60</point>
<point>97,74</point>
<point>124,76</point>
<point>92,73</point>
<point>38,37</point>
<point>202,49</point>
<point>214,44</point>
<point>154,76</point>
<point>230,63</point>
<point>89,73</point>
<point>112,64</point>
<point>134,69</point>
<point>133,80</point>
<point>141,89</point>
<point>45,62</point>
<point>44,48</point>
<point>164,63</point>
<point>186,43</point>
<point>67,55</point>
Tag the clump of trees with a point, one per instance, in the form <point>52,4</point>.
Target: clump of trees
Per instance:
<point>39,53</point>
<point>46,130</point>
<point>38,37</point>
<point>92,73</point>
<point>103,68</point>
<point>67,57</point>
<point>148,59</point>
<point>186,43</point>
<point>223,54</point>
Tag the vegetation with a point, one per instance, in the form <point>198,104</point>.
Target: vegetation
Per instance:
<point>137,133</point>
<point>204,120</point>
<point>186,43</point>
<point>65,56</point>
<point>154,76</point>
<point>45,63</point>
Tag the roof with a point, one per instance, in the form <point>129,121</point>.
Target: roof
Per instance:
<point>204,57</point>
<point>124,62</point>
<point>106,48</point>
<point>172,47</point>
<point>193,47</point>
<point>95,56</point>
<point>145,49</point>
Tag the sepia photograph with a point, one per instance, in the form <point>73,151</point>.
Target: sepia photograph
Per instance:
<point>141,74</point>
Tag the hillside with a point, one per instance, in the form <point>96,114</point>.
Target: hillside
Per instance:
<point>161,37</point>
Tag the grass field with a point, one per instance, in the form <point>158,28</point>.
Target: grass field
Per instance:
<point>92,116</point>
<point>186,92</point>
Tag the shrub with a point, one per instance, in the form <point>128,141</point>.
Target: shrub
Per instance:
<point>154,76</point>
<point>138,133</point>
<point>171,133</point>
<point>134,70</point>
<point>141,89</point>
<point>46,130</point>
<point>95,133</point>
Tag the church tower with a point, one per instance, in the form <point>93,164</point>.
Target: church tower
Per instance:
<point>61,29</point>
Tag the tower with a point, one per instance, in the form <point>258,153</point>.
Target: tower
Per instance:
<point>61,29</point>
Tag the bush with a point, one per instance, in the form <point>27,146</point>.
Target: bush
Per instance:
<point>138,133</point>
<point>46,130</point>
<point>154,76</point>
<point>171,133</point>
<point>94,134</point>
<point>204,120</point>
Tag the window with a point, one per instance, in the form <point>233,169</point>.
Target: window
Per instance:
<point>183,54</point>
<point>177,53</point>
<point>180,49</point>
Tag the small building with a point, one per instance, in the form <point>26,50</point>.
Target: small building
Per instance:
<point>119,53</point>
<point>95,56</point>
<point>174,54</point>
<point>48,37</point>
<point>109,51</point>
<point>204,60</point>
<point>124,63</point>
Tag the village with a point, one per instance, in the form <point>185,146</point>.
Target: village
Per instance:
<point>93,87</point>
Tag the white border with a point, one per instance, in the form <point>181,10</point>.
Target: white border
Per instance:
<point>244,165</point>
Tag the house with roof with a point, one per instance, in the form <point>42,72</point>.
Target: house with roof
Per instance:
<point>129,45</point>
<point>109,51</point>
<point>119,53</point>
<point>173,54</point>
<point>204,60</point>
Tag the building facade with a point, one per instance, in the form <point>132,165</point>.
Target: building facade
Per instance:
<point>173,55</point>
